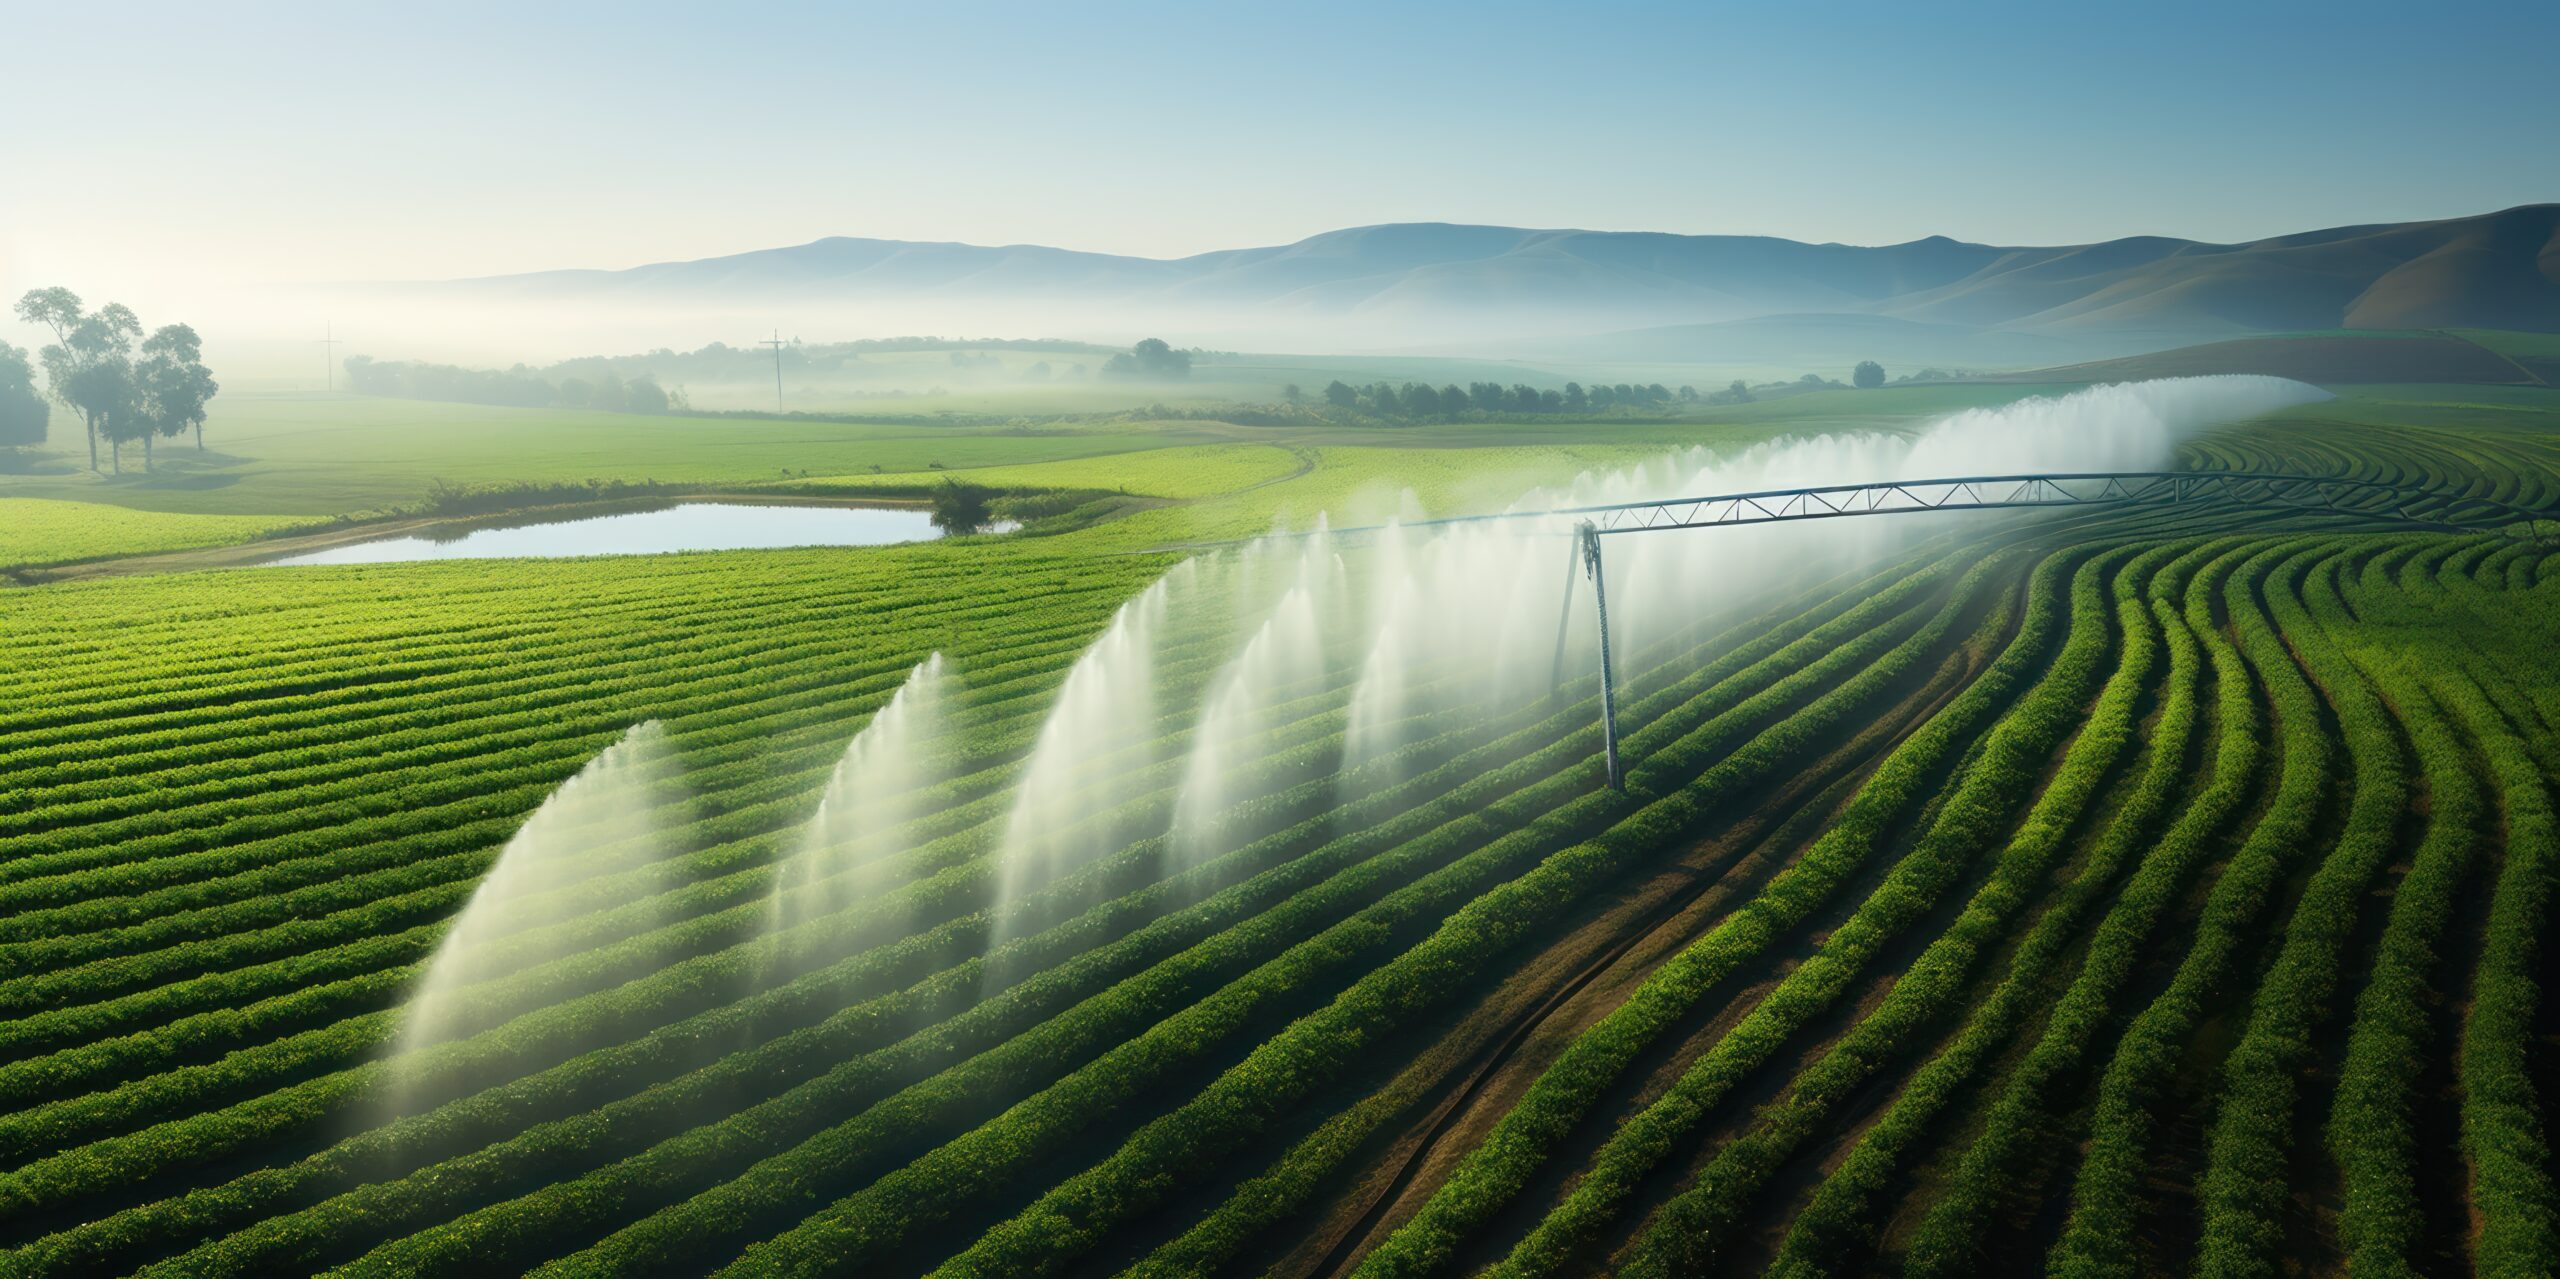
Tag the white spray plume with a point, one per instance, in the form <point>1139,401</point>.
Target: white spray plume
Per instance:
<point>1092,749</point>
<point>563,865</point>
<point>877,788</point>
<point>1477,619</point>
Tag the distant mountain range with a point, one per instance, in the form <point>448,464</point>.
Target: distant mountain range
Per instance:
<point>2498,270</point>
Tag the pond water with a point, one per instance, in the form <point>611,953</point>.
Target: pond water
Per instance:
<point>684,526</point>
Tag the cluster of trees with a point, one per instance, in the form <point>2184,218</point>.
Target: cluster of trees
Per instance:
<point>1421,400</point>
<point>522,387</point>
<point>1417,400</point>
<point>126,387</point>
<point>24,416</point>
<point>1151,360</point>
<point>1866,377</point>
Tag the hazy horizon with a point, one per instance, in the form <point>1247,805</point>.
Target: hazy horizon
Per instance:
<point>495,140</point>
<point>380,148</point>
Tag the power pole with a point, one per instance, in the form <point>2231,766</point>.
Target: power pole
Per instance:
<point>329,356</point>
<point>776,344</point>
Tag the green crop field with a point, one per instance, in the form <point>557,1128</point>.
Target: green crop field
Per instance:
<point>2101,892</point>
<point>51,531</point>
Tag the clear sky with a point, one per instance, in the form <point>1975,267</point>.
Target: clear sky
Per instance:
<point>378,141</point>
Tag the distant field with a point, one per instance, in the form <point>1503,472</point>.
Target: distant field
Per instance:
<point>903,382</point>
<point>1198,471</point>
<point>298,456</point>
<point>329,455</point>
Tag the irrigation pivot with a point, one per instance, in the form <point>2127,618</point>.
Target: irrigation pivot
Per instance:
<point>2409,503</point>
<point>1588,539</point>
<point>2335,495</point>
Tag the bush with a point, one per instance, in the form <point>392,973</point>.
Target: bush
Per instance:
<point>960,509</point>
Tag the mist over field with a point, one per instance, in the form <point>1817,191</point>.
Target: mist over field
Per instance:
<point>1451,291</point>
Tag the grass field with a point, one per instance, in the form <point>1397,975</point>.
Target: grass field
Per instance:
<point>927,382</point>
<point>1198,471</point>
<point>282,453</point>
<point>47,531</point>
<point>2103,893</point>
<point>331,455</point>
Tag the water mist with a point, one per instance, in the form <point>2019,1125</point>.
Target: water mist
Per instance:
<point>1285,652</point>
<point>1093,750</point>
<point>565,866</point>
<point>1470,622</point>
<point>877,789</point>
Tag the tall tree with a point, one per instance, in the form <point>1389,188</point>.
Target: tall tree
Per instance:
<point>59,309</point>
<point>23,413</point>
<point>99,382</point>
<point>174,386</point>
<point>1867,376</point>
<point>1158,359</point>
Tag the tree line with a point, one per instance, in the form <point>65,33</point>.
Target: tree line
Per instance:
<point>1151,360</point>
<point>126,387</point>
<point>1422,400</point>
<point>596,387</point>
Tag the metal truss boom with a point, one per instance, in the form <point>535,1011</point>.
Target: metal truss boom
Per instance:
<point>2335,494</point>
<point>2365,498</point>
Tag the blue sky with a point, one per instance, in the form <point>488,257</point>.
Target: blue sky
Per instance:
<point>353,141</point>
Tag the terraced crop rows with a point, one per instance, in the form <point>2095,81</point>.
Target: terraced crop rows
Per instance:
<point>2110,892</point>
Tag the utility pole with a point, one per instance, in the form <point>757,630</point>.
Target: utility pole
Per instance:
<point>776,344</point>
<point>329,356</point>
